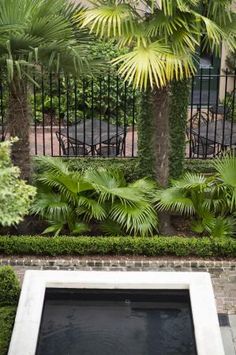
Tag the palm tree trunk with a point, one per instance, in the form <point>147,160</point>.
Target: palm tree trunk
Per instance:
<point>161,146</point>
<point>160,98</point>
<point>19,126</point>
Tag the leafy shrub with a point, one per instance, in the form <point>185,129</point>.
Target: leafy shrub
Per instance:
<point>68,199</point>
<point>127,166</point>
<point>211,200</point>
<point>7,317</point>
<point>9,286</point>
<point>153,246</point>
<point>203,166</point>
<point>15,195</point>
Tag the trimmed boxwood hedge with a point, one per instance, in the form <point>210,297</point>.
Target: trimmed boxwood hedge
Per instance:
<point>7,317</point>
<point>9,294</point>
<point>129,166</point>
<point>154,246</point>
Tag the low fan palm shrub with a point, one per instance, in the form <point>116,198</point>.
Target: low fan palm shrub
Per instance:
<point>74,201</point>
<point>210,200</point>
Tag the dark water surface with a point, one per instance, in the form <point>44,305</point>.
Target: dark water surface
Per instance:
<point>116,322</point>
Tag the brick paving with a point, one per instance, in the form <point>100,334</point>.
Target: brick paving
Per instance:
<point>223,273</point>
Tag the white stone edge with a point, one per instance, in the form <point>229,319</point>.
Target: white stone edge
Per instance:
<point>28,317</point>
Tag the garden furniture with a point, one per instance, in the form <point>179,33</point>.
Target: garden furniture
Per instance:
<point>69,147</point>
<point>226,109</point>
<point>218,132</point>
<point>97,136</point>
<point>200,146</point>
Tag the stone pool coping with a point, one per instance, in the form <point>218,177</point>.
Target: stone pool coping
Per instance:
<point>28,318</point>
<point>223,276</point>
<point>223,272</point>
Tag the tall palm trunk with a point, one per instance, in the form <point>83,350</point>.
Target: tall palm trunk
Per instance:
<point>160,101</point>
<point>19,126</point>
<point>161,146</point>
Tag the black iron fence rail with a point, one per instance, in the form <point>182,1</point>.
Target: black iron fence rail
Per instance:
<point>211,128</point>
<point>98,117</point>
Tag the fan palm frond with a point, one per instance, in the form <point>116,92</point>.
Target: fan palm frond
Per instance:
<point>138,219</point>
<point>42,33</point>
<point>93,209</point>
<point>226,168</point>
<point>191,181</point>
<point>51,206</point>
<point>163,40</point>
<point>220,227</point>
<point>174,199</point>
<point>110,20</point>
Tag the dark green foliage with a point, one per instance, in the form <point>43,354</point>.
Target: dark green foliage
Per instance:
<point>153,246</point>
<point>9,286</point>
<point>90,97</point>
<point>74,202</point>
<point>210,200</point>
<point>178,119</point>
<point>129,167</point>
<point>7,317</point>
<point>9,295</point>
<point>145,137</point>
<point>203,166</point>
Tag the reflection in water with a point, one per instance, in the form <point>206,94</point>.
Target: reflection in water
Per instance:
<point>117,327</point>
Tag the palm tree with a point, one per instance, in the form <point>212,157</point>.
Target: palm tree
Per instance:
<point>162,37</point>
<point>36,33</point>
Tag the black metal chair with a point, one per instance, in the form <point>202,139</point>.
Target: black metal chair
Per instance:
<point>112,148</point>
<point>70,148</point>
<point>201,147</point>
<point>200,117</point>
<point>226,109</point>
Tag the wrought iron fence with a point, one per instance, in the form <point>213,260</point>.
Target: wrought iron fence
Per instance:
<point>98,117</point>
<point>211,128</point>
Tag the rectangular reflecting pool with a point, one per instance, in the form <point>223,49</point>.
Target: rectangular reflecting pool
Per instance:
<point>116,313</point>
<point>116,322</point>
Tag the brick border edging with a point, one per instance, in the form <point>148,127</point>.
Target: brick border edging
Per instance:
<point>58,263</point>
<point>223,272</point>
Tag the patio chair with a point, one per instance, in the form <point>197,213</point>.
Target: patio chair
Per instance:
<point>202,147</point>
<point>111,148</point>
<point>200,117</point>
<point>70,148</point>
<point>226,109</point>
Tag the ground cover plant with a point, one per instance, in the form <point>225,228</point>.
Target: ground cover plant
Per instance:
<point>9,295</point>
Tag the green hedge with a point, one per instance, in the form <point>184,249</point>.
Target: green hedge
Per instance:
<point>7,317</point>
<point>155,246</point>
<point>199,166</point>
<point>129,166</point>
<point>9,294</point>
<point>9,287</point>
